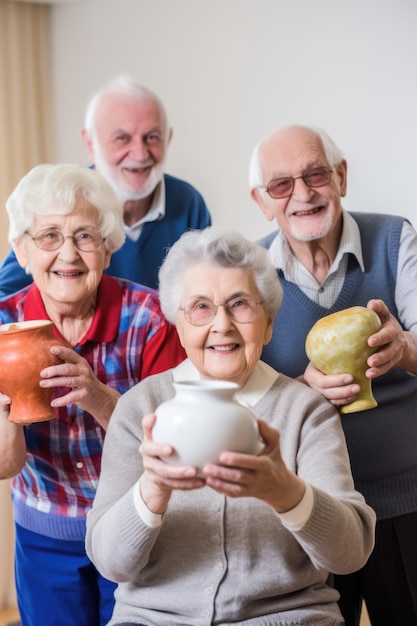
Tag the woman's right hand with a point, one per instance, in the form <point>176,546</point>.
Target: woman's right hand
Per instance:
<point>159,478</point>
<point>12,442</point>
<point>84,388</point>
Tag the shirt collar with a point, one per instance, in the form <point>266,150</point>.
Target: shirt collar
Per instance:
<point>106,319</point>
<point>156,212</point>
<point>350,243</point>
<point>257,385</point>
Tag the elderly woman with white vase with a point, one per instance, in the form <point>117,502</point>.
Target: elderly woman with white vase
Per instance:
<point>249,538</point>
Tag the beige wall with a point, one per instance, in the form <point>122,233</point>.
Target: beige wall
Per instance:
<point>231,71</point>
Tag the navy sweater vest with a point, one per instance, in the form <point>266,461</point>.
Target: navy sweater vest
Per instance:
<point>382,441</point>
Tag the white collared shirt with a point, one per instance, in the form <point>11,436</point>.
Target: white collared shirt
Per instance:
<point>327,293</point>
<point>324,294</point>
<point>156,212</point>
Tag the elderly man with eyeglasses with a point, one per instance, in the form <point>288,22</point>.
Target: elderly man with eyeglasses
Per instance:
<point>329,259</point>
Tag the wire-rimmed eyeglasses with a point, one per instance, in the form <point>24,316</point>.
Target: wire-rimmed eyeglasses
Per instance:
<point>284,186</point>
<point>50,239</point>
<point>201,312</point>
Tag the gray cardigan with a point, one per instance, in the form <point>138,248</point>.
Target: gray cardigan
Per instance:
<point>217,560</point>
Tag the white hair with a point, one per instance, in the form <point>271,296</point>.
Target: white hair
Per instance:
<point>125,86</point>
<point>54,190</point>
<point>333,154</point>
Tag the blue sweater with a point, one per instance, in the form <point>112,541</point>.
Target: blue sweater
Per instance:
<point>140,260</point>
<point>381,441</point>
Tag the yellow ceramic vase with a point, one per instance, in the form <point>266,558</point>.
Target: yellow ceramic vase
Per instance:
<point>338,344</point>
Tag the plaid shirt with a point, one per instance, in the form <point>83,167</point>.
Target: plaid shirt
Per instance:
<point>128,340</point>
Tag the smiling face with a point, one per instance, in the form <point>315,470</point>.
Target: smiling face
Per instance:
<point>129,145</point>
<point>67,278</point>
<point>308,214</point>
<point>223,349</point>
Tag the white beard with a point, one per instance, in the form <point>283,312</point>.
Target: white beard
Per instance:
<point>320,231</point>
<point>115,178</point>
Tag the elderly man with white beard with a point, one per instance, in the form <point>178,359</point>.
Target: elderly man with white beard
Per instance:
<point>126,136</point>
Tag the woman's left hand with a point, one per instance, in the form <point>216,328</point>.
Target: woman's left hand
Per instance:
<point>86,390</point>
<point>265,476</point>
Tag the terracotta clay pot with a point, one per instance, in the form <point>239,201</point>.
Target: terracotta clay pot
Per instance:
<point>24,352</point>
<point>338,344</point>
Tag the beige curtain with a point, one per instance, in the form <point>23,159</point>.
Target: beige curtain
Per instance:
<point>25,96</point>
<point>25,140</point>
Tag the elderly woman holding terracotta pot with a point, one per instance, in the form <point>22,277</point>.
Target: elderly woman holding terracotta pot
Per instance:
<point>250,539</point>
<point>65,222</point>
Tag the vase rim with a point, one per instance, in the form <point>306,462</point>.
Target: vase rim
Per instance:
<point>203,383</point>
<point>12,327</point>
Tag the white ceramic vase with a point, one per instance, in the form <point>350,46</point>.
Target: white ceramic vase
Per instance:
<point>338,344</point>
<point>203,420</point>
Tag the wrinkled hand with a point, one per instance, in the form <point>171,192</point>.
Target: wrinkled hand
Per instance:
<point>265,476</point>
<point>4,406</point>
<point>394,349</point>
<point>391,340</point>
<point>159,478</point>
<point>338,388</point>
<point>85,388</point>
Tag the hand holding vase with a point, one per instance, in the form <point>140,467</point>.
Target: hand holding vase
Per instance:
<point>338,344</point>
